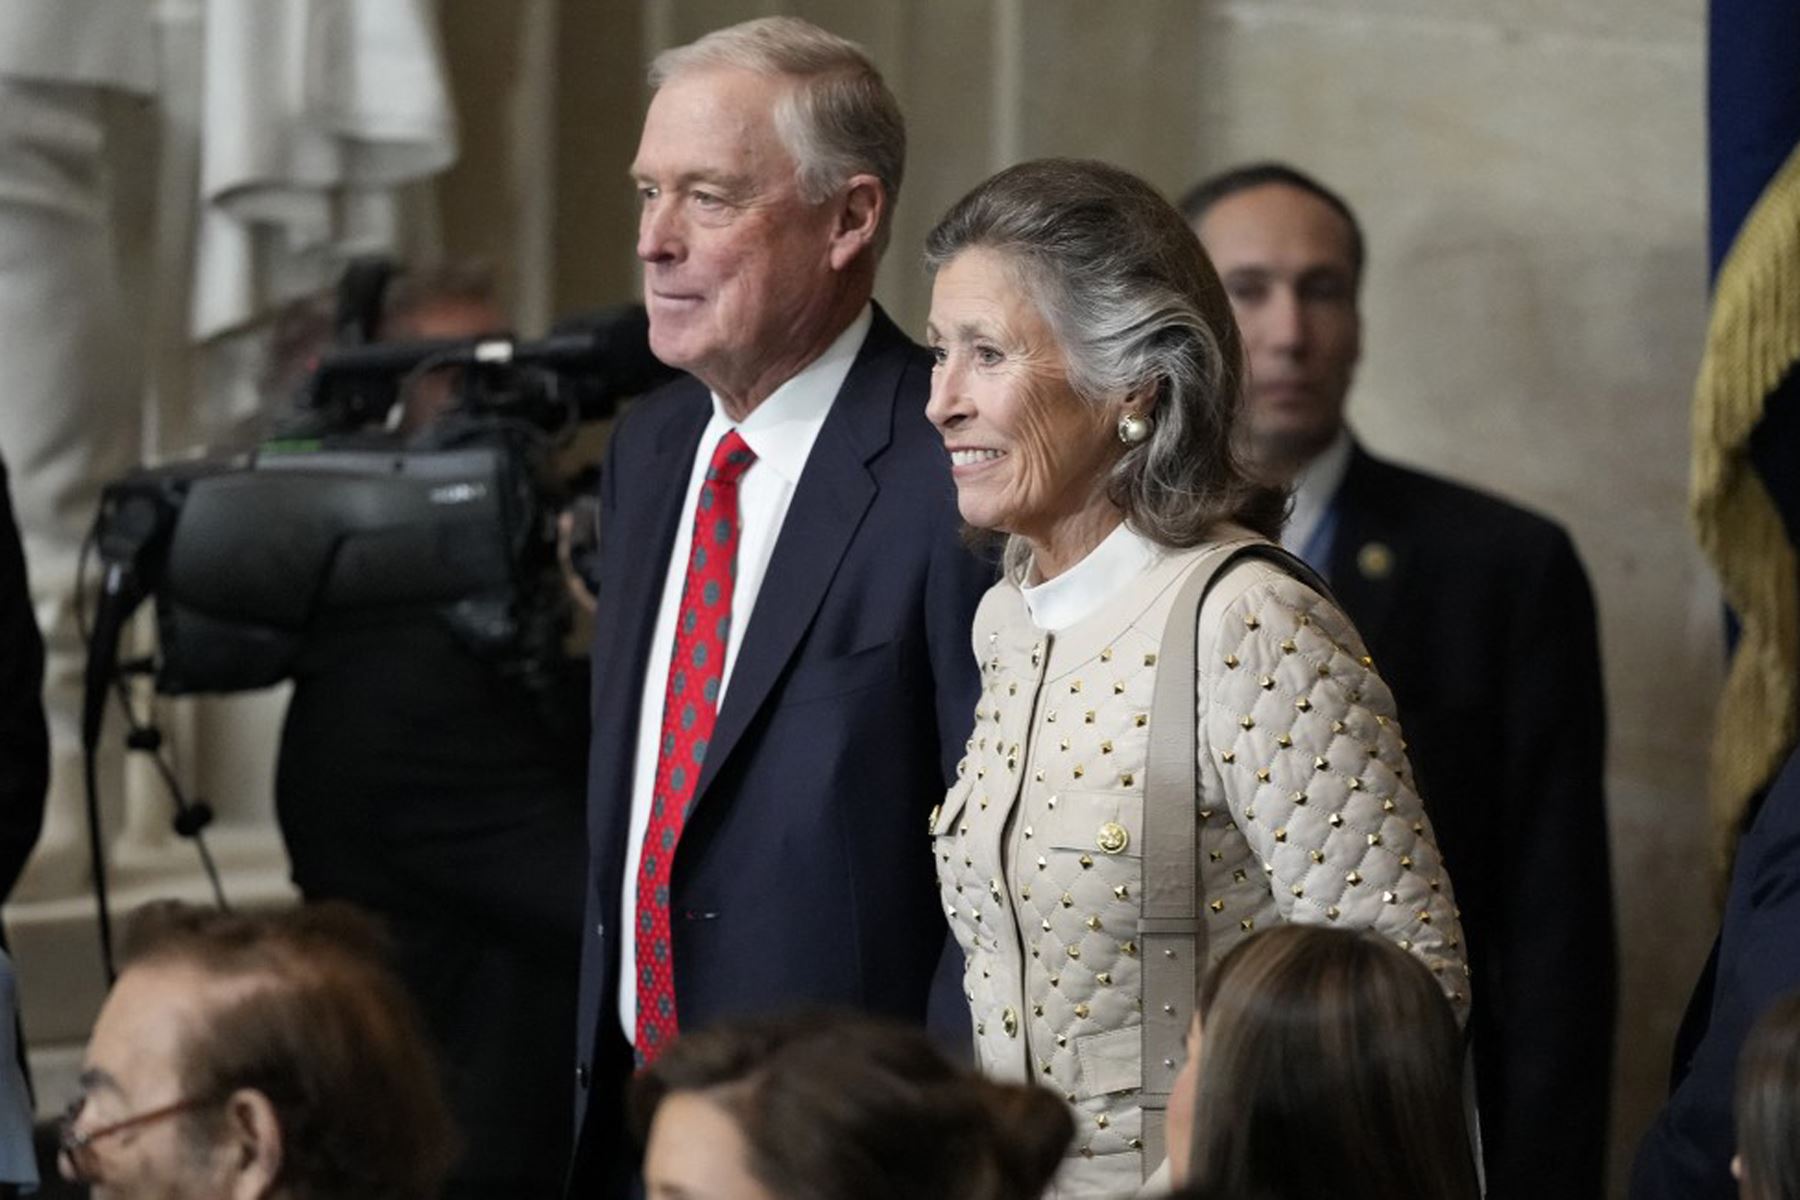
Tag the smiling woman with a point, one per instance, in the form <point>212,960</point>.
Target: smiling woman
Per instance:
<point>1035,463</point>
<point>1088,385</point>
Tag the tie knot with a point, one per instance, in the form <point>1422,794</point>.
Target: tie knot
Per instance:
<point>731,458</point>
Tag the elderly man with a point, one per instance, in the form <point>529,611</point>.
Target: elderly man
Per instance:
<point>262,1057</point>
<point>1480,617</point>
<point>782,673</point>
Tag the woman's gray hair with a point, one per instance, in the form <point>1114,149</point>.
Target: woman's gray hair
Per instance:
<point>1137,310</point>
<point>841,119</point>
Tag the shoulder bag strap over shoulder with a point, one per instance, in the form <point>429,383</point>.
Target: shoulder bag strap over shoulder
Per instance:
<point>1171,924</point>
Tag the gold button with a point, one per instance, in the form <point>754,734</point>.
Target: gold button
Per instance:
<point>1009,1021</point>
<point>1112,837</point>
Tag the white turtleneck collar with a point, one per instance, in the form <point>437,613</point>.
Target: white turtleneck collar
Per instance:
<point>1087,587</point>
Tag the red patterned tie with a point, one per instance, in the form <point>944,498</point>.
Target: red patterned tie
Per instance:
<point>690,704</point>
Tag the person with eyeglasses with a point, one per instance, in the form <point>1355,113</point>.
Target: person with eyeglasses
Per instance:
<point>265,1056</point>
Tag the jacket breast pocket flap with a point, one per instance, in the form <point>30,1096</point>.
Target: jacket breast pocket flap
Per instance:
<point>1109,1062</point>
<point>1100,823</point>
<point>820,679</point>
<point>943,817</point>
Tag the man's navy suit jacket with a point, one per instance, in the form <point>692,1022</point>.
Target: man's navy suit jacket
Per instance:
<point>803,876</point>
<point>1480,619</point>
<point>1756,960</point>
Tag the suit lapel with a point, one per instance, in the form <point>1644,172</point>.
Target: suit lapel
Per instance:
<point>1370,549</point>
<point>834,492</point>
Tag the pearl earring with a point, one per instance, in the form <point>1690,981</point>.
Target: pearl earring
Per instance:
<point>1133,429</point>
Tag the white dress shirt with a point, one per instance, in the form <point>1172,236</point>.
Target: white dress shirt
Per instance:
<point>1314,489</point>
<point>781,432</point>
<point>1089,585</point>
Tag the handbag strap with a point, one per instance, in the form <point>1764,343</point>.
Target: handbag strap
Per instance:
<point>1171,925</point>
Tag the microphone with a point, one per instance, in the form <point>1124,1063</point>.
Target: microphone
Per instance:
<point>609,347</point>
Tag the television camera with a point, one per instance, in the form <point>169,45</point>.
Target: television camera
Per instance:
<point>247,557</point>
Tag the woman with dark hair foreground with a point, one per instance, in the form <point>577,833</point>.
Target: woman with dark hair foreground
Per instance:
<point>1767,1106</point>
<point>836,1108</point>
<point>1323,1064</point>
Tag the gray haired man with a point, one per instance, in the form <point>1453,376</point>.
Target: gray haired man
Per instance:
<point>782,674</point>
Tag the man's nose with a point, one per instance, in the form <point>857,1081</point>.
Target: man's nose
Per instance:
<point>658,237</point>
<point>1284,321</point>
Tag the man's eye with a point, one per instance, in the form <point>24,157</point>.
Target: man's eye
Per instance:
<point>707,200</point>
<point>1246,293</point>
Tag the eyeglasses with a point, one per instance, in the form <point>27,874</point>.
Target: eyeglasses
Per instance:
<point>77,1144</point>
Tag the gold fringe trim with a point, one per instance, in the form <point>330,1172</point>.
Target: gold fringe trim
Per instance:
<point>1752,343</point>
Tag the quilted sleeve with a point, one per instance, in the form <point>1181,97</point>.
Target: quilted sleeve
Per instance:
<point>1298,735</point>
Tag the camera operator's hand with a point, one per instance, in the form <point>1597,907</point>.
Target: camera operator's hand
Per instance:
<point>577,536</point>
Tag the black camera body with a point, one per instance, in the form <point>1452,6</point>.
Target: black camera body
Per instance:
<point>262,553</point>
<point>247,558</point>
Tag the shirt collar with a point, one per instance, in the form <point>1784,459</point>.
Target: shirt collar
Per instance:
<point>781,430</point>
<point>1085,588</point>
<point>1314,489</point>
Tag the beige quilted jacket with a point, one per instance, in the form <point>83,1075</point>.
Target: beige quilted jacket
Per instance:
<point>1307,814</point>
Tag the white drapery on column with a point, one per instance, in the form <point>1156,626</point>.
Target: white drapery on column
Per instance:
<point>308,124</point>
<point>314,112</point>
<point>69,413</point>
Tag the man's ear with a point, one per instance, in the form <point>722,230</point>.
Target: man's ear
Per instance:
<point>859,213</point>
<point>253,1144</point>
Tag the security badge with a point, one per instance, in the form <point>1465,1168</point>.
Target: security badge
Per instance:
<point>1375,560</point>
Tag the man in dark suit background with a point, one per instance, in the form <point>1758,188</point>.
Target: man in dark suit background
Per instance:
<point>1482,621</point>
<point>782,671</point>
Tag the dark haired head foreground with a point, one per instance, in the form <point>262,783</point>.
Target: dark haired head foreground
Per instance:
<point>824,1107</point>
<point>1322,1062</point>
<point>1767,1106</point>
<point>265,1056</point>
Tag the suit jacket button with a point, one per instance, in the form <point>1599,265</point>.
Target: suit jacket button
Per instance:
<point>583,1076</point>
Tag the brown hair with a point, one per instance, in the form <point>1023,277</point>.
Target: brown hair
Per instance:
<point>1767,1103</point>
<point>835,1105</point>
<point>1340,1045</point>
<point>468,281</point>
<point>315,1022</point>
